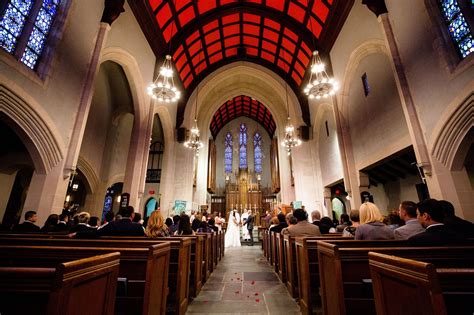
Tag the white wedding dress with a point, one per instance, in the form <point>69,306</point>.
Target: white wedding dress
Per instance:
<point>232,235</point>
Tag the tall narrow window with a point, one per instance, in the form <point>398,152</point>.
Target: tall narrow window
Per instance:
<point>243,146</point>
<point>457,26</point>
<point>228,144</point>
<point>257,151</point>
<point>24,28</point>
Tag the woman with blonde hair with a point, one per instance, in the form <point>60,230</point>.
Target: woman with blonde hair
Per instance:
<point>371,225</point>
<point>156,226</point>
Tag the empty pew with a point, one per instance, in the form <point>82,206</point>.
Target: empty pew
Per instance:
<point>179,260</point>
<point>307,269</point>
<point>420,287</point>
<point>281,260</point>
<point>146,270</point>
<point>61,288</point>
<point>344,270</point>
<point>207,266</point>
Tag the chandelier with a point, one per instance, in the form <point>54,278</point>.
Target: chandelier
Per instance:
<point>164,89</point>
<point>290,140</point>
<point>193,141</point>
<point>320,84</point>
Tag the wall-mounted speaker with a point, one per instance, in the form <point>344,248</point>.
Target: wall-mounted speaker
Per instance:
<point>181,135</point>
<point>304,133</point>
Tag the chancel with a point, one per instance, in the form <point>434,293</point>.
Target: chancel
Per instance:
<point>162,129</point>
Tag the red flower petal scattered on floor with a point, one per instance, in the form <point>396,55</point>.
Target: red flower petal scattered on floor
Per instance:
<point>256,293</point>
<point>253,282</point>
<point>257,300</point>
<point>238,278</point>
<point>236,292</point>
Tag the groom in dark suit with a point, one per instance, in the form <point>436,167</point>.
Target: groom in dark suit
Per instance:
<point>249,222</point>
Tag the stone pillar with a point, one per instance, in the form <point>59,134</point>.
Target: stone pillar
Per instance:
<point>327,202</point>
<point>409,108</point>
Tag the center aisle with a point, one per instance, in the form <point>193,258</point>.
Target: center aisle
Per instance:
<point>244,282</point>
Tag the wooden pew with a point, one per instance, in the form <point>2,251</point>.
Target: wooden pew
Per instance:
<point>207,266</point>
<point>275,251</point>
<point>290,263</point>
<point>60,289</point>
<point>307,269</point>
<point>179,261</point>
<point>420,287</point>
<point>264,242</point>
<point>146,270</point>
<point>344,270</point>
<point>281,259</point>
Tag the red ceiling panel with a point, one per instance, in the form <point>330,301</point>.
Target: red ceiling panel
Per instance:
<point>267,37</point>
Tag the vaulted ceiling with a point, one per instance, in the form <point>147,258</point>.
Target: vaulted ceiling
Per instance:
<point>203,35</point>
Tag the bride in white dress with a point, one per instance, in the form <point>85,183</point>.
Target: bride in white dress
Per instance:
<point>232,235</point>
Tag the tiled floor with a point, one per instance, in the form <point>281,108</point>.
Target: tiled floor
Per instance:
<point>244,283</point>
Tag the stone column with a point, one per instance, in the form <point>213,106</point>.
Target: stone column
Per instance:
<point>327,202</point>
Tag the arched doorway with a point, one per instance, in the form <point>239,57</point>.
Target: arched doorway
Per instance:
<point>16,171</point>
<point>77,191</point>
<point>150,205</point>
<point>112,199</point>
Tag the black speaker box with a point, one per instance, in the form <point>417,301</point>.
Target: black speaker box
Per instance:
<point>304,133</point>
<point>181,135</point>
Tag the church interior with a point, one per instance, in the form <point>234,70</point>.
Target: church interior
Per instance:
<point>215,105</point>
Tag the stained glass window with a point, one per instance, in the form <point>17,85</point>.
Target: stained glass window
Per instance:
<point>12,23</point>
<point>12,28</point>
<point>243,146</point>
<point>257,151</point>
<point>457,26</point>
<point>228,152</point>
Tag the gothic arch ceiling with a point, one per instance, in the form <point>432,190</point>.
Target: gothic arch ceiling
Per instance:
<point>242,106</point>
<point>203,35</point>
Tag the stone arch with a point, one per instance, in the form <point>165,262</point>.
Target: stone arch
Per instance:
<point>133,75</point>
<point>374,46</point>
<point>89,174</point>
<point>454,132</point>
<point>34,127</point>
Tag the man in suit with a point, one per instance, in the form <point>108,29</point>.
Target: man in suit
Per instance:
<point>123,227</point>
<point>454,222</point>
<point>407,212</point>
<point>29,225</point>
<point>303,227</point>
<point>249,222</point>
<point>282,224</point>
<point>430,215</point>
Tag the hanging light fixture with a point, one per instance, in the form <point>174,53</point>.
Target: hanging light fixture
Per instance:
<point>290,140</point>
<point>320,84</point>
<point>193,141</point>
<point>163,88</point>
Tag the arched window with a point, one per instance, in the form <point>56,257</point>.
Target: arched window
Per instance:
<point>457,26</point>
<point>228,152</point>
<point>257,152</point>
<point>24,28</point>
<point>243,146</point>
<point>155,159</point>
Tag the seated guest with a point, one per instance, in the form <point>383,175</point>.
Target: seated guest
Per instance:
<point>303,227</point>
<point>82,223</point>
<point>326,226</point>
<point>212,225</point>
<point>371,226</point>
<point>273,222</point>
<point>281,224</point>
<point>155,226</point>
<point>196,224</point>
<point>108,217</point>
<point>29,224</point>
<point>455,223</point>
<point>393,220</point>
<point>51,223</point>
<point>344,222</point>
<point>62,223</point>
<point>184,227</point>
<point>316,217</point>
<point>204,228</point>
<point>174,227</point>
<point>350,230</point>
<point>412,226</point>
<point>169,222</point>
<point>430,214</point>
<point>123,227</point>
<point>137,218</point>
<point>94,222</point>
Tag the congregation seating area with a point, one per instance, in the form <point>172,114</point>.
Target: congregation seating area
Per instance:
<point>110,275</point>
<point>336,275</point>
